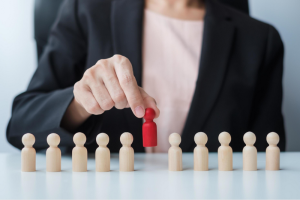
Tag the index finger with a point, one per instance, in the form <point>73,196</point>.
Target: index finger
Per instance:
<point>129,85</point>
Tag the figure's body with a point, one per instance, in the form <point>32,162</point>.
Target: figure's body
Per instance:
<point>126,153</point>
<point>28,153</point>
<point>149,129</point>
<point>53,154</point>
<point>272,152</point>
<point>175,153</point>
<point>225,152</point>
<point>79,153</point>
<point>200,152</point>
<point>102,153</point>
<point>249,153</point>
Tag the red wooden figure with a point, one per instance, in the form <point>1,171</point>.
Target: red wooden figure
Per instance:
<point>149,129</point>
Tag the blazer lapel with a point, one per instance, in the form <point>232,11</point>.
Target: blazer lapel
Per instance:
<point>127,29</point>
<point>217,41</point>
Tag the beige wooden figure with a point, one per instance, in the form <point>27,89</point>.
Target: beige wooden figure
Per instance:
<point>225,152</point>
<point>79,153</point>
<point>175,153</point>
<point>28,153</point>
<point>200,152</point>
<point>249,152</point>
<point>126,153</point>
<point>53,154</point>
<point>272,152</point>
<point>102,153</point>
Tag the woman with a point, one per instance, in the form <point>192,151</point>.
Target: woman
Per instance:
<point>206,66</point>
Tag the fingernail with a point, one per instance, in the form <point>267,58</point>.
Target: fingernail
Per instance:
<point>139,111</point>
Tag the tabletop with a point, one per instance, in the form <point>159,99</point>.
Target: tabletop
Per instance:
<point>151,179</point>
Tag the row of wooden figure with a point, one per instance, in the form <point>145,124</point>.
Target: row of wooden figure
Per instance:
<point>126,154</point>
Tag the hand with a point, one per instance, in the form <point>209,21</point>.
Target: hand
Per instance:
<point>111,83</point>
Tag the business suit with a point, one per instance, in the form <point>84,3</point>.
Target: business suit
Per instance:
<point>239,87</point>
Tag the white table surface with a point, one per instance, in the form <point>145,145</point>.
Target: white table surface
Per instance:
<point>150,180</point>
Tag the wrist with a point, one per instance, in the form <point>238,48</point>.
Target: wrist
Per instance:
<point>80,110</point>
<point>74,116</point>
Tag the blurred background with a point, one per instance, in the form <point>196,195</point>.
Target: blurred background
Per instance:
<point>18,57</point>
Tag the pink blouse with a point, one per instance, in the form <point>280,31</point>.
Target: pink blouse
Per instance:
<point>171,55</point>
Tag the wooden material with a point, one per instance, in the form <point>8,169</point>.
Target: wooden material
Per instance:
<point>102,153</point>
<point>53,154</point>
<point>28,153</point>
<point>79,153</point>
<point>126,153</point>
<point>249,152</point>
<point>149,129</point>
<point>200,152</point>
<point>225,152</point>
<point>272,152</point>
<point>175,153</point>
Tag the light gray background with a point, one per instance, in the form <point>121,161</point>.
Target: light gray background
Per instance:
<point>18,57</point>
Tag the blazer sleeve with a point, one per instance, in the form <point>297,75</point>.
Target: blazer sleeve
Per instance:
<point>267,104</point>
<point>40,109</point>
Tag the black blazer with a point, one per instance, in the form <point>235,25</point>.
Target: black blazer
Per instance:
<point>239,87</point>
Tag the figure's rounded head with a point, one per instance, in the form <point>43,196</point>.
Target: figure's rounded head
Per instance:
<point>79,139</point>
<point>200,138</point>
<point>273,138</point>
<point>175,139</point>
<point>249,138</point>
<point>102,139</point>
<point>224,138</point>
<point>149,114</point>
<point>53,140</point>
<point>28,140</point>
<point>126,139</point>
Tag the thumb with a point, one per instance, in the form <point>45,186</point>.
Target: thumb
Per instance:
<point>149,102</point>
